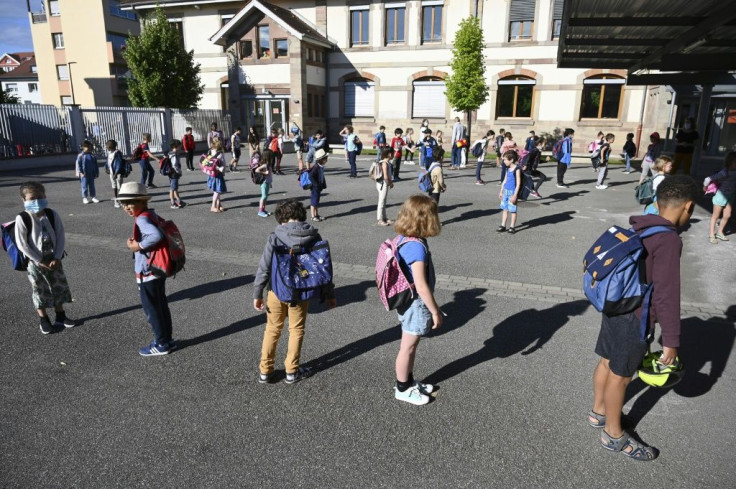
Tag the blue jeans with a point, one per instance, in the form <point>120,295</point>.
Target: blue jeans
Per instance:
<point>156,307</point>
<point>477,170</point>
<point>146,172</point>
<point>88,187</point>
<point>455,157</point>
<point>628,162</point>
<point>351,160</point>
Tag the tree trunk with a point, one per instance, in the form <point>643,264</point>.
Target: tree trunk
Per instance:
<point>468,116</point>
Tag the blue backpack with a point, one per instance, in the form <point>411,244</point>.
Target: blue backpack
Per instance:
<point>557,152</point>
<point>613,276</point>
<point>164,166</point>
<point>304,180</point>
<point>298,272</point>
<point>358,147</point>
<point>18,260</point>
<point>425,179</point>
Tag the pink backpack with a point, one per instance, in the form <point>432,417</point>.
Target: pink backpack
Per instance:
<point>394,287</point>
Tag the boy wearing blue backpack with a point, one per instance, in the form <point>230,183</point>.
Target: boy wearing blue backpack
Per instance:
<point>291,234</point>
<point>622,340</point>
<point>563,155</point>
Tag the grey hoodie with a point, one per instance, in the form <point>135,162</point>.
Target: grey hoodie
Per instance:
<point>290,234</point>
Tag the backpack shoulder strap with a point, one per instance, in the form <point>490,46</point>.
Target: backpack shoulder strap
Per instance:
<point>27,221</point>
<point>655,230</point>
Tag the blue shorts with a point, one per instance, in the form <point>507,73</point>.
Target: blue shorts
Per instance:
<point>314,201</point>
<point>174,183</point>
<point>506,204</point>
<point>722,200</point>
<point>416,319</point>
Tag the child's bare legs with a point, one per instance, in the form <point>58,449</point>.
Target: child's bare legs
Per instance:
<point>609,392</point>
<point>504,216</point>
<point>215,202</point>
<point>405,358</point>
<point>314,211</point>
<point>717,210</point>
<point>513,219</point>
<point>724,220</point>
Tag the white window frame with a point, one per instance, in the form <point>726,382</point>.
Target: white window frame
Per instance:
<point>363,102</point>
<point>62,72</point>
<point>58,42</point>
<point>11,87</point>
<point>430,101</point>
<point>358,8</point>
<point>54,12</point>
<point>66,100</point>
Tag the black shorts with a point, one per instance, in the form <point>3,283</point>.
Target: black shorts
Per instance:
<point>620,343</point>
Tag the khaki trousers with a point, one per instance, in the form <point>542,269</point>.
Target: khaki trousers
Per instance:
<point>276,314</point>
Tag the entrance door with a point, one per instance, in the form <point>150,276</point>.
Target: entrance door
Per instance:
<point>266,114</point>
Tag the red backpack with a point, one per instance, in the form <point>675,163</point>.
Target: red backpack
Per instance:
<point>168,257</point>
<point>274,145</point>
<point>394,287</point>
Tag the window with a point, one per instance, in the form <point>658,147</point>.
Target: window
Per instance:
<point>62,71</point>
<point>515,97</point>
<point>395,24</point>
<point>359,98</point>
<point>114,8</point>
<point>521,20</point>
<point>32,87</point>
<point>11,87</point>
<point>178,25</point>
<point>66,100</point>
<point>359,18</point>
<point>264,42</point>
<point>432,21</point>
<point>58,40</point>
<point>246,49</point>
<point>34,69</point>
<point>54,7</point>
<point>429,100</point>
<point>556,19</point>
<point>117,41</point>
<point>601,97</point>
<point>282,48</point>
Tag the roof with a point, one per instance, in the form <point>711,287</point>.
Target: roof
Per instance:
<point>150,4</point>
<point>18,57</point>
<point>255,10</point>
<point>23,70</point>
<point>696,37</point>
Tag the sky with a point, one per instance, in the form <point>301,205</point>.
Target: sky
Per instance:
<point>14,25</point>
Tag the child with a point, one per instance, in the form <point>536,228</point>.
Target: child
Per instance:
<point>653,151</point>
<point>317,179</point>
<point>351,148</point>
<point>383,185</point>
<point>316,142</point>
<point>619,343</point>
<point>532,166</point>
<point>298,139</point>
<point>187,142</point>
<point>429,147</point>
<point>216,183</point>
<point>409,144</point>
<point>418,219</point>
<point>175,174</point>
<point>499,142</point>
<point>724,197</point>
<point>437,176</point>
<point>235,147</point>
<point>484,144</point>
<point>380,141</point>
<point>279,153</point>
<point>662,167</point>
<point>87,171</point>
<point>629,151</point>
<point>685,147</point>
<point>147,172</point>
<point>605,153</point>
<point>397,145</point>
<point>265,169</point>
<point>113,167</point>
<point>43,245</point>
<point>457,135</point>
<point>438,137</point>
<point>291,231</point>
<point>595,148</point>
<point>564,163</point>
<point>214,133</point>
<point>254,142</point>
<point>509,191</point>
<point>531,141</point>
<point>508,145</point>
<point>146,238</point>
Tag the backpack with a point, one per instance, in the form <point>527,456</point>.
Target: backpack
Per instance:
<point>557,151</point>
<point>613,278</point>
<point>644,192</point>
<point>121,166</point>
<point>375,172</point>
<point>394,287</point>
<point>168,257</point>
<point>207,163</point>
<point>297,272</point>
<point>477,150</point>
<point>299,143</point>
<point>18,260</point>
<point>358,147</point>
<point>274,145</point>
<point>304,180</point>
<point>425,178</point>
<point>255,162</point>
<point>526,187</point>
<point>398,147</point>
<point>428,152</point>
<point>164,166</point>
<point>138,153</point>
<point>592,146</point>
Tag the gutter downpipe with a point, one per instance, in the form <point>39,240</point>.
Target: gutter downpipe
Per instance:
<point>641,120</point>
<point>673,101</point>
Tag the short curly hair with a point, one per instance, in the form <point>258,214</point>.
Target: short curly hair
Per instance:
<point>418,218</point>
<point>290,209</point>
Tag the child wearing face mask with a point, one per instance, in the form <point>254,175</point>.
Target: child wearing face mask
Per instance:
<point>39,235</point>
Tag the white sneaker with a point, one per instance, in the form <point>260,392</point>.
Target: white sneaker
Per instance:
<point>85,201</point>
<point>95,200</point>
<point>412,395</point>
<point>601,187</point>
<point>117,204</point>
<point>424,388</point>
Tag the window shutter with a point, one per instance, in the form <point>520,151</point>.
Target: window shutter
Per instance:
<point>524,10</point>
<point>557,10</point>
<point>359,97</point>
<point>429,99</point>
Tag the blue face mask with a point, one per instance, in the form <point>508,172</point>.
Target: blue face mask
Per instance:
<point>35,206</point>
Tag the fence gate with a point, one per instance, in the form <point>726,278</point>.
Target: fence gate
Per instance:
<point>124,126</point>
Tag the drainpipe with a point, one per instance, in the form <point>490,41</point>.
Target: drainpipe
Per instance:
<point>327,96</point>
<point>641,119</point>
<point>668,142</point>
<point>476,9</point>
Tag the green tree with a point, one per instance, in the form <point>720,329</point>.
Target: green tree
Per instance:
<point>6,97</point>
<point>163,73</point>
<point>466,85</point>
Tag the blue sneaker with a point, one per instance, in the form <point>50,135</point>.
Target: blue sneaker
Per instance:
<point>263,214</point>
<point>153,349</point>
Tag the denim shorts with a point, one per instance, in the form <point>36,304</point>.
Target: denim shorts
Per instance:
<point>506,204</point>
<point>416,319</point>
<point>620,343</point>
<point>174,183</point>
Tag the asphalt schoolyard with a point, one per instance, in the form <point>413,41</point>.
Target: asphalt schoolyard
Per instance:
<point>513,361</point>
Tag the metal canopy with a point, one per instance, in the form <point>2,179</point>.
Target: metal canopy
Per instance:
<point>645,35</point>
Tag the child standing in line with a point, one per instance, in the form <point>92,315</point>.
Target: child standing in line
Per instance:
<point>318,181</point>
<point>724,198</point>
<point>595,149</point>
<point>235,148</point>
<point>146,238</point>
<point>187,142</point>
<point>114,167</point>
<point>383,185</point>
<point>216,183</point>
<point>437,175</point>
<point>409,145</point>
<point>662,168</point>
<point>43,244</point>
<point>509,191</point>
<point>629,151</point>
<point>291,231</point>
<point>87,171</point>
<point>265,169</point>
<point>605,153</point>
<point>564,163</point>
<point>147,172</point>
<point>175,174</point>
<point>620,344</point>
<point>418,219</point>
<point>397,145</point>
<point>484,141</point>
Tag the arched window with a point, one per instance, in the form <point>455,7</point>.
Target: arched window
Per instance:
<point>359,98</point>
<point>602,96</point>
<point>428,99</point>
<point>515,96</point>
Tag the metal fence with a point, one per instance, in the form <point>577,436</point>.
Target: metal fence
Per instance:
<point>28,130</point>
<point>199,120</point>
<point>125,126</point>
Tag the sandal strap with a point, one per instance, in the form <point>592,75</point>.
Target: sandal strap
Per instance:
<point>599,418</point>
<point>614,444</point>
<point>639,451</point>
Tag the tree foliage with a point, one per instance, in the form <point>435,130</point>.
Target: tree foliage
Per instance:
<point>466,85</point>
<point>163,73</point>
<point>7,97</point>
